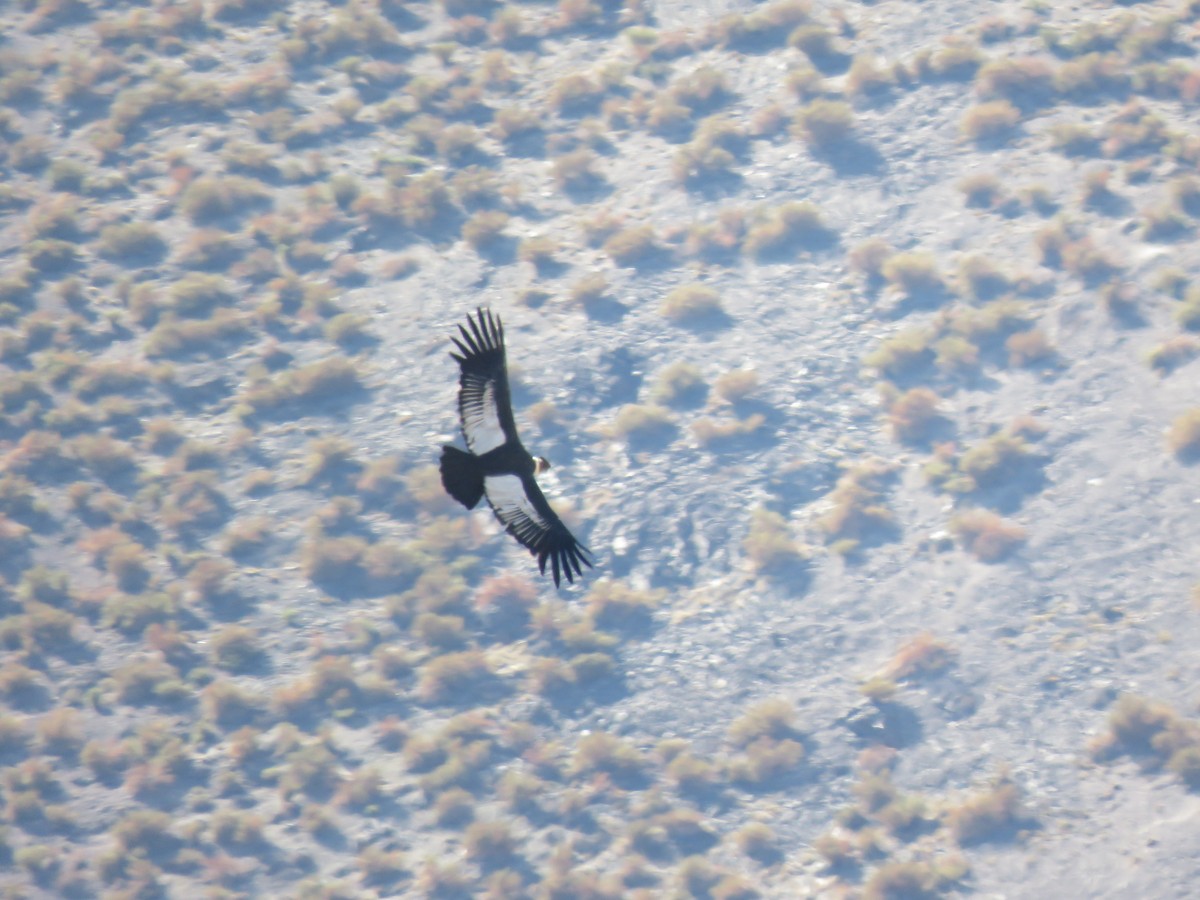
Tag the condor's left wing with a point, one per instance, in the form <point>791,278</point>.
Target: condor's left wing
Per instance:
<point>522,509</point>
<point>484,402</point>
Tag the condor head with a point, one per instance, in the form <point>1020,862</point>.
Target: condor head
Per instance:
<point>540,465</point>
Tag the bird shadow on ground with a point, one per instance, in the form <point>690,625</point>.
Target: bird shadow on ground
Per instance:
<point>884,722</point>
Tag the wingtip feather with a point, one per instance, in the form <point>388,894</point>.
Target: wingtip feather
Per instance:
<point>482,333</point>
<point>474,348</point>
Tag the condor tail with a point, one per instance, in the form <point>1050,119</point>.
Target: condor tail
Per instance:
<point>462,476</point>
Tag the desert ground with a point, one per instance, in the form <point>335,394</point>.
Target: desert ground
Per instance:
<point>863,338</point>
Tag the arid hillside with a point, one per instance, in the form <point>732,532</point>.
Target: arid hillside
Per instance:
<point>863,338</point>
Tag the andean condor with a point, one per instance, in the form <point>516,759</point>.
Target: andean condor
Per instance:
<point>497,465</point>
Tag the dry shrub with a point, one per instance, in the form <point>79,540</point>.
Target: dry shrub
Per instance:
<point>1025,348</point>
<point>690,303</point>
<point>913,414</point>
<point>986,535</point>
<point>923,655</point>
<point>990,815</point>
<point>769,544</point>
<point>1184,435</point>
<point>990,121</point>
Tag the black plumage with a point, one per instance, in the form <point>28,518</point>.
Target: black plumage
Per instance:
<point>495,464</point>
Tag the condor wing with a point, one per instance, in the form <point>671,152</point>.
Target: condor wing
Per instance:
<point>522,509</point>
<point>484,402</point>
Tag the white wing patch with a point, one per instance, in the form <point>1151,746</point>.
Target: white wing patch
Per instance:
<point>480,418</point>
<point>506,494</point>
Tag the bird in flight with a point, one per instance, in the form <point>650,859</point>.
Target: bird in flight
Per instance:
<point>495,464</point>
